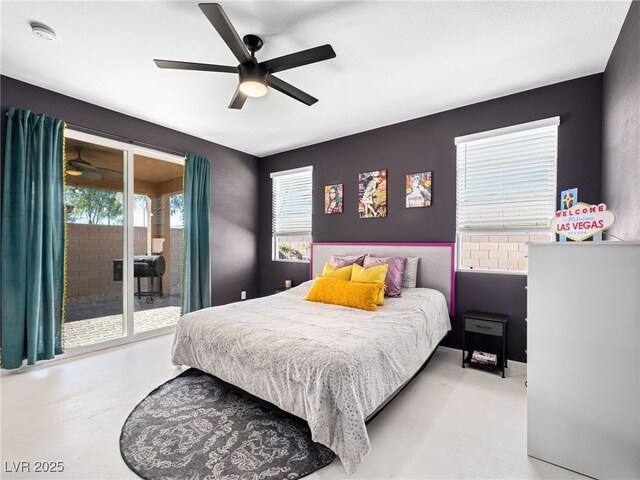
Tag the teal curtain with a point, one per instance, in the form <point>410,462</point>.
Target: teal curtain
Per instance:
<point>196,271</point>
<point>33,236</point>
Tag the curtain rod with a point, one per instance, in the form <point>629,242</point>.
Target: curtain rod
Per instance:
<point>114,136</point>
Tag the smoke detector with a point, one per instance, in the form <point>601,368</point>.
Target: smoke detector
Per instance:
<point>43,32</point>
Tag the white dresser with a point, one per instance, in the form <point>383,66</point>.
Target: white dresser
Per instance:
<point>583,361</point>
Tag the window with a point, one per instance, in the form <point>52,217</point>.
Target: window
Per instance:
<point>505,194</point>
<point>291,209</point>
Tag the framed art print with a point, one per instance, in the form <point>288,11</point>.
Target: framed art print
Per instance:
<point>372,194</point>
<point>333,198</point>
<point>418,190</point>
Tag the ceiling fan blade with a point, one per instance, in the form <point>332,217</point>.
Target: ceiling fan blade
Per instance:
<point>82,165</point>
<point>305,57</point>
<point>203,67</point>
<point>290,90</point>
<point>109,173</point>
<point>222,24</point>
<point>91,175</point>
<point>237,102</point>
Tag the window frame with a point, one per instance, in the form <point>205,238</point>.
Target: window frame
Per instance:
<point>274,235</point>
<point>508,132</point>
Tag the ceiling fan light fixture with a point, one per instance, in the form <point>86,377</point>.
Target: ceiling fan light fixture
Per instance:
<point>253,88</point>
<point>253,80</point>
<point>73,171</point>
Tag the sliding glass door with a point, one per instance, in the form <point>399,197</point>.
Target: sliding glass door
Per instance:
<point>124,241</point>
<point>157,249</point>
<point>95,214</point>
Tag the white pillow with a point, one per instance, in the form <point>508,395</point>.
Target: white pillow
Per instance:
<point>410,278</point>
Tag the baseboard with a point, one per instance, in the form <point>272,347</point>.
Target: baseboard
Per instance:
<point>458,352</point>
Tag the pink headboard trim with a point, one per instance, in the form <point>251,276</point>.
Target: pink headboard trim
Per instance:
<point>452,247</point>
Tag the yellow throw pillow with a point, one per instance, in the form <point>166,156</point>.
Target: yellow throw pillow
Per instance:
<point>348,294</point>
<point>343,273</point>
<point>371,275</point>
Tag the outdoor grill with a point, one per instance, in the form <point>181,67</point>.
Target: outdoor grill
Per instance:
<point>144,266</point>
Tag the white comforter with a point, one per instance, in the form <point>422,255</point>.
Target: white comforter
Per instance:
<point>331,365</point>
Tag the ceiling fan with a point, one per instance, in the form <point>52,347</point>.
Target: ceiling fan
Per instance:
<point>80,166</point>
<point>254,76</point>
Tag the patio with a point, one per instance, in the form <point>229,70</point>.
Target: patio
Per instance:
<point>100,321</point>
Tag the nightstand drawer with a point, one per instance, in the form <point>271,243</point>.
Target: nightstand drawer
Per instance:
<point>483,326</point>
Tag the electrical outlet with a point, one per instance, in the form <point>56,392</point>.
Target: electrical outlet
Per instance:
<point>243,295</point>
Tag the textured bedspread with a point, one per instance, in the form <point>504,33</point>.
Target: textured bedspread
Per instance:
<point>330,365</point>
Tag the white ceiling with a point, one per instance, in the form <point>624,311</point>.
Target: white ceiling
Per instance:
<point>395,60</point>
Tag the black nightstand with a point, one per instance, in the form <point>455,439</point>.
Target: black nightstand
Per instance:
<point>281,289</point>
<point>493,324</point>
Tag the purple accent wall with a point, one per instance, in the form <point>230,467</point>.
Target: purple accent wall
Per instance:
<point>240,215</point>
<point>234,179</point>
<point>427,144</point>
<point>621,129</point>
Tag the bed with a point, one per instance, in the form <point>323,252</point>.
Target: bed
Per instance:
<point>330,365</point>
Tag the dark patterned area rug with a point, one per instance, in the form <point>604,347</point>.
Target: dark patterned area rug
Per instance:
<point>198,427</point>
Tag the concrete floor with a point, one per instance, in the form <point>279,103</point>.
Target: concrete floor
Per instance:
<point>448,423</point>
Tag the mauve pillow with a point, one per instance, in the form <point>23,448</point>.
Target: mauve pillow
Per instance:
<point>393,280</point>
<point>340,262</point>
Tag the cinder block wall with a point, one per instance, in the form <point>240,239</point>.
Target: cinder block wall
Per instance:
<point>176,260</point>
<point>92,249</point>
<point>507,252</point>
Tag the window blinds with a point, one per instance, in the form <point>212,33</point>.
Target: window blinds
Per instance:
<point>507,181</point>
<point>291,202</point>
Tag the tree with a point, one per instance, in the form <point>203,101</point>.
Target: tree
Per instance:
<point>176,206</point>
<point>140,210</point>
<point>93,206</point>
